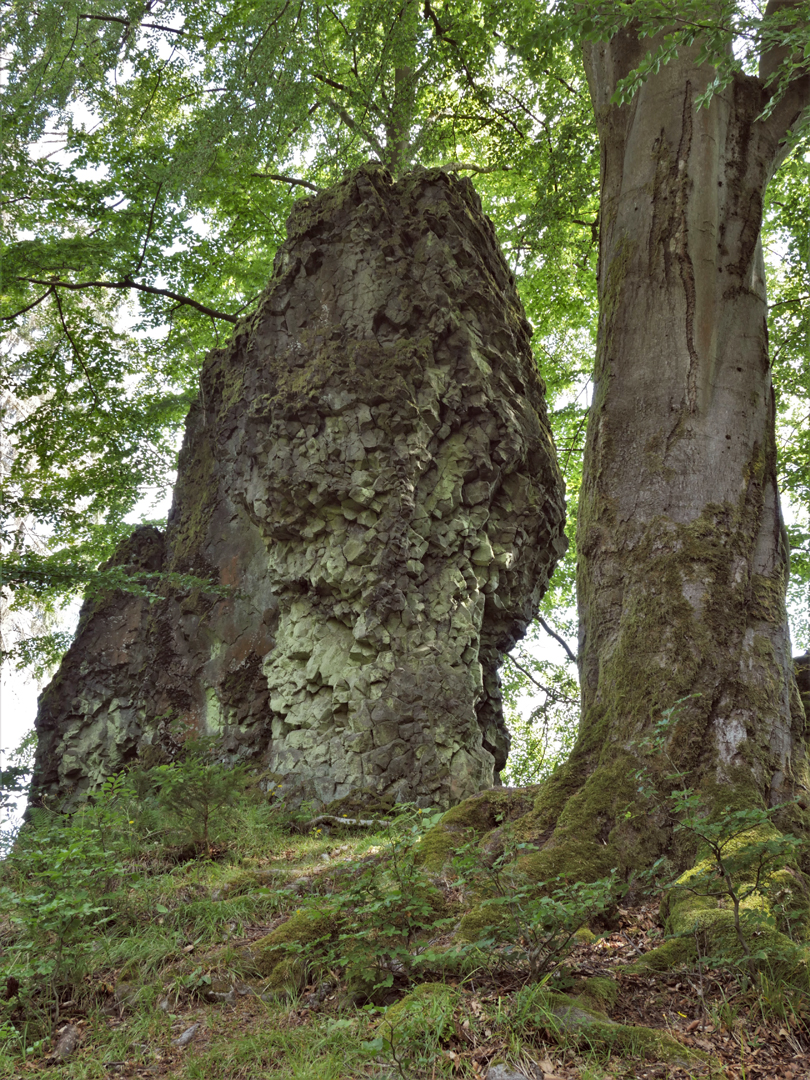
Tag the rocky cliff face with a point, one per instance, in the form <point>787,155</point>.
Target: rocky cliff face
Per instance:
<point>369,466</point>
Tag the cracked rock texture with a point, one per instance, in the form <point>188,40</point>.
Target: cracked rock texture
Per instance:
<point>370,467</point>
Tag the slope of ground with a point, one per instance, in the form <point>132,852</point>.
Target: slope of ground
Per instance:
<point>133,948</point>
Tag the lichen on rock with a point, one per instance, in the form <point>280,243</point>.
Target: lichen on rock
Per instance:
<point>370,466</point>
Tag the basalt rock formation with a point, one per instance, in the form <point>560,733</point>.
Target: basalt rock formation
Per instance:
<point>370,467</point>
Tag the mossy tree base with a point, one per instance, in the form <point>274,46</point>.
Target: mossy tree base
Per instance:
<point>601,828</point>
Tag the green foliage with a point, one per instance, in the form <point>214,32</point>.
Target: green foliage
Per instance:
<point>386,912</point>
<point>529,927</point>
<point>196,791</point>
<point>168,937</point>
<point>739,855</point>
<point>787,255</point>
<point>710,28</point>
<point>58,888</point>
<point>14,780</point>
<point>411,1034</point>
<point>150,164</point>
<point>383,908</point>
<point>542,738</point>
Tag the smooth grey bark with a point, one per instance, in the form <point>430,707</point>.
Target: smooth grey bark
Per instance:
<point>683,554</point>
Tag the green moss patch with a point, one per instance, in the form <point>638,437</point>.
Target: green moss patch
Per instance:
<point>479,816</point>
<point>601,990</point>
<point>280,954</point>
<point>576,1021</point>
<point>429,1006</point>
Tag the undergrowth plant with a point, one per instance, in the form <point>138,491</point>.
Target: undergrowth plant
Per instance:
<point>14,780</point>
<point>387,916</point>
<point>58,890</point>
<point>412,1041</point>
<point>739,851</point>
<point>193,794</point>
<point>526,926</point>
<point>383,907</point>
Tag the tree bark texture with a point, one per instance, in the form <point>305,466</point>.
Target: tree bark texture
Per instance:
<point>683,557</point>
<point>683,552</point>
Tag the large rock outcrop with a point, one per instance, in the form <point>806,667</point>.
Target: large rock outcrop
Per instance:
<point>370,467</point>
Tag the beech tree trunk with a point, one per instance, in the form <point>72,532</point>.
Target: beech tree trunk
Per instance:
<point>683,558</point>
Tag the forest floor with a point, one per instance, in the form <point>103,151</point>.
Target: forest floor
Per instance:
<point>164,990</point>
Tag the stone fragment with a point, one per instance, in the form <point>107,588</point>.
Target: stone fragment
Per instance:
<point>187,1036</point>
<point>505,1072</point>
<point>369,468</point>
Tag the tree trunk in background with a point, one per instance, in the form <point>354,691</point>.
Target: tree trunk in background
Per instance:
<point>683,554</point>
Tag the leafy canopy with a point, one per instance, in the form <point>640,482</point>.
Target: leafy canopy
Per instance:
<point>152,150</point>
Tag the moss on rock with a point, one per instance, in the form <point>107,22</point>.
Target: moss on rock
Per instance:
<point>278,956</point>
<point>428,1006</point>
<point>479,817</point>
<point>478,920</point>
<point>602,991</point>
<point>578,1021</point>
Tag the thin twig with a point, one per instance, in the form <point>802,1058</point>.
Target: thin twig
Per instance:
<point>149,226</point>
<point>546,689</point>
<point>457,166</point>
<point>782,303</point>
<point>75,348</point>
<point>22,311</point>
<point>293,180</point>
<point>128,23</point>
<point>556,636</point>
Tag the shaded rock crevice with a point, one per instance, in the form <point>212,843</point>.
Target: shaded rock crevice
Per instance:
<point>369,465</point>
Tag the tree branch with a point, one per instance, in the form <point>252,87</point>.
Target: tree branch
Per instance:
<point>149,226</point>
<point>557,637</point>
<point>288,180</point>
<point>337,18</point>
<point>546,689</point>
<point>128,23</point>
<point>320,77</point>
<point>458,166</point>
<point>344,822</point>
<point>796,97</point>
<point>128,283</point>
<point>22,311</point>
<point>75,347</point>
<point>783,303</point>
<point>267,29</point>
<point>352,125</point>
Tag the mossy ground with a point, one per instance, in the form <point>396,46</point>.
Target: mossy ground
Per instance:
<point>232,943</point>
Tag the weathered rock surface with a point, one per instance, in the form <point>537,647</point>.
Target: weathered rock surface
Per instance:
<point>369,464</point>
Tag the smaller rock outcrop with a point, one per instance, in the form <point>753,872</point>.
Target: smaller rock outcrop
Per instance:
<point>369,466</point>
